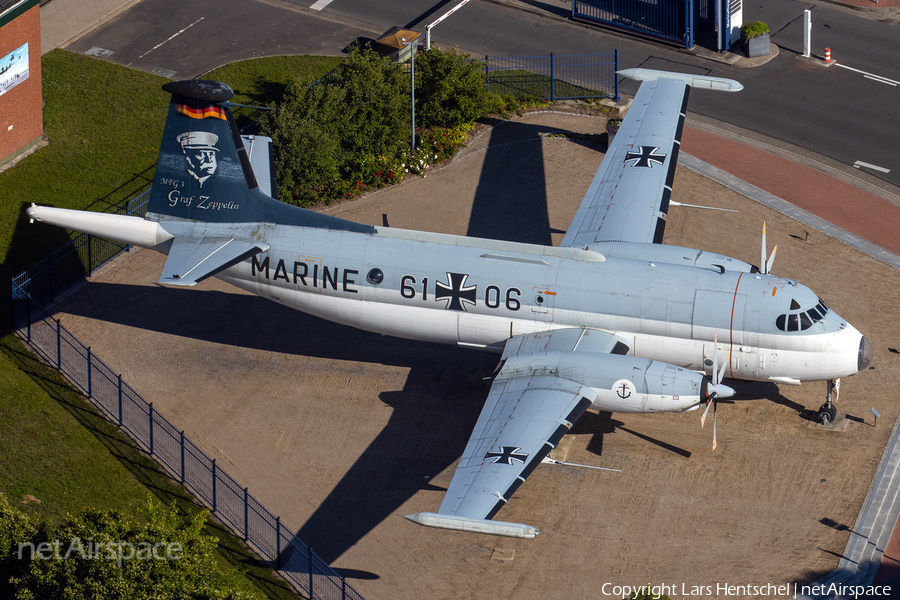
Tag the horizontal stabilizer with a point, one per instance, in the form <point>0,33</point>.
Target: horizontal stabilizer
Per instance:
<point>696,81</point>
<point>516,530</point>
<point>192,260</point>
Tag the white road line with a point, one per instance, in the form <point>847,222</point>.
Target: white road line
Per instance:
<point>879,80</point>
<point>161,43</point>
<point>320,4</point>
<point>860,163</point>
<point>870,75</point>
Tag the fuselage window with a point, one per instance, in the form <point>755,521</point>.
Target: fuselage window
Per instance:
<point>780,322</point>
<point>822,308</point>
<point>814,315</point>
<point>805,322</point>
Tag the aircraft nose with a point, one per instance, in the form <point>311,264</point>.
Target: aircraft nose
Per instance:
<point>866,354</point>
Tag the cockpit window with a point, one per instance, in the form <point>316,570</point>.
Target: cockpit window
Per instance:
<point>803,320</point>
<point>792,323</point>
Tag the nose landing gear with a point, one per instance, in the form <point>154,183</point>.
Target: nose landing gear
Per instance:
<point>827,412</point>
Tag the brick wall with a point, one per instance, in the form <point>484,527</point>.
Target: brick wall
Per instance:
<point>21,110</point>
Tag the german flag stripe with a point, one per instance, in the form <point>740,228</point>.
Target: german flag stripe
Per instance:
<point>202,112</point>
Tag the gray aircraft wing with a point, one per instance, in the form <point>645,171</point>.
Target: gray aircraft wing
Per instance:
<point>523,419</point>
<point>628,199</point>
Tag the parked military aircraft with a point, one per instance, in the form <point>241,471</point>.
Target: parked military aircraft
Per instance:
<point>612,319</point>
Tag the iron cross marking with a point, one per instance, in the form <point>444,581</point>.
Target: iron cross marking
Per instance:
<point>506,455</point>
<point>645,157</point>
<point>455,292</point>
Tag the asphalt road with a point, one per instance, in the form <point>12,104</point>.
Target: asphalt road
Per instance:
<point>834,111</point>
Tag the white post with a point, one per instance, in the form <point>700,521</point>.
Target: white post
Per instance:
<point>807,32</point>
<point>438,20</point>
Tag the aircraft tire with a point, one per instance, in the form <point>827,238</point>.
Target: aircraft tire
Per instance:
<point>827,414</point>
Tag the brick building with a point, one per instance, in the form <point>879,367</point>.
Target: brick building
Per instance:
<point>21,104</point>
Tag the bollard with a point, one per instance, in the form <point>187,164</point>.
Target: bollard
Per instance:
<point>828,55</point>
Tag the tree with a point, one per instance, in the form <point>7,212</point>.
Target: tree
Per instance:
<point>323,130</point>
<point>106,555</point>
<point>15,527</point>
<point>450,89</point>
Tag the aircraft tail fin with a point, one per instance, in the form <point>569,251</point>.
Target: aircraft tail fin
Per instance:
<point>207,172</point>
<point>203,171</point>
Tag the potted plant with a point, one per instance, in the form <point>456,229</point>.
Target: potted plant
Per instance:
<point>755,38</point>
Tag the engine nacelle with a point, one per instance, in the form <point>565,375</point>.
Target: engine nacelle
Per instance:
<point>623,383</point>
<point>673,255</point>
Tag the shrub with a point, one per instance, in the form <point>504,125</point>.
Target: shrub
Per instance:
<point>450,89</point>
<point>321,131</point>
<point>753,29</point>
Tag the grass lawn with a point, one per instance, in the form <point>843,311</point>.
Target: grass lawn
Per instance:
<point>104,124</point>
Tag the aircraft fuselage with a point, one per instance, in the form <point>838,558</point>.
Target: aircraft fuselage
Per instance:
<point>479,293</point>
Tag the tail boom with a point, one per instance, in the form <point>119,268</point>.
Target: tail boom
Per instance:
<point>121,228</point>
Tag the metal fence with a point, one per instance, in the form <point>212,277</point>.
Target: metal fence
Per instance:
<point>554,77</point>
<point>229,502</point>
<point>680,22</point>
<point>70,264</point>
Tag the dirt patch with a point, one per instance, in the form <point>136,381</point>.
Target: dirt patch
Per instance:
<point>342,432</point>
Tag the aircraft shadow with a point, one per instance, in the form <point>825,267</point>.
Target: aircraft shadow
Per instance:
<point>511,198</point>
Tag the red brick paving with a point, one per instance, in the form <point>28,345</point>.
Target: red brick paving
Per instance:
<point>859,212</point>
<point>890,562</point>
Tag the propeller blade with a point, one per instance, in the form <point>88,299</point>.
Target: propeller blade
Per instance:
<point>715,411</point>
<point>721,374</point>
<point>709,400</point>
<point>762,264</point>
<point>771,259</point>
<point>715,359</point>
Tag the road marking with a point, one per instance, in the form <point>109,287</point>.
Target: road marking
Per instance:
<point>320,4</point>
<point>871,75</point>
<point>881,80</point>
<point>860,163</point>
<point>161,43</point>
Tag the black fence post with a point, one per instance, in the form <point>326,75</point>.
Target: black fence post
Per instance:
<point>120,400</point>
<point>309,560</point>
<point>90,256</point>
<point>552,80</point>
<point>28,315</point>
<point>246,514</point>
<point>214,485</point>
<point>58,346</point>
<point>615,77</point>
<point>182,456</point>
<point>278,543</point>
<point>89,368</point>
<point>151,429</point>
